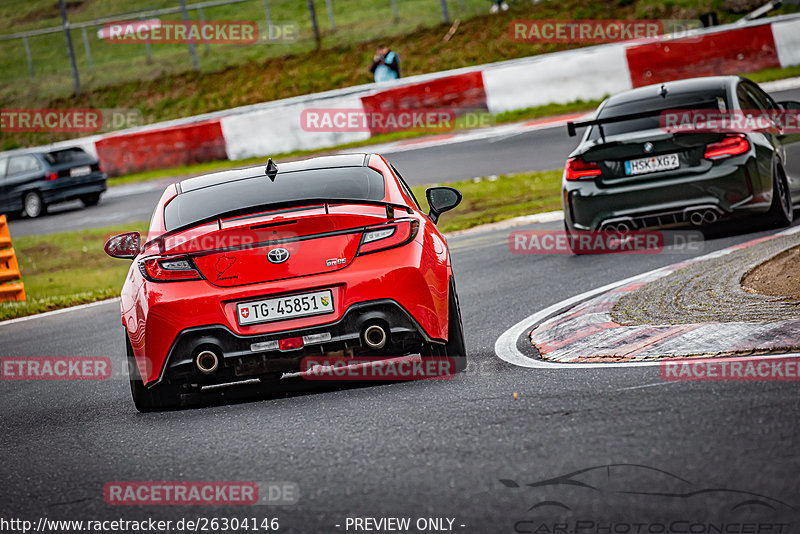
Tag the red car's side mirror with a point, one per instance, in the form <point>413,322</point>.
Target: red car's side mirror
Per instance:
<point>125,246</point>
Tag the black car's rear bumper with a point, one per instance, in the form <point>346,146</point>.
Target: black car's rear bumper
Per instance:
<point>724,190</point>
<point>69,190</point>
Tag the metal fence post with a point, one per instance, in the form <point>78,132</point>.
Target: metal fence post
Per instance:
<point>313,14</point>
<point>192,49</point>
<point>65,23</point>
<point>445,14</point>
<point>394,11</point>
<point>86,47</point>
<point>147,47</point>
<point>331,21</point>
<point>28,55</point>
<point>202,21</point>
<point>269,20</point>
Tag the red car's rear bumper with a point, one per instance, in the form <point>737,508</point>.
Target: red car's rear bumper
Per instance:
<point>169,320</point>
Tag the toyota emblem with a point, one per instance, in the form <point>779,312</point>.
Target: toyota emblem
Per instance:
<point>278,255</point>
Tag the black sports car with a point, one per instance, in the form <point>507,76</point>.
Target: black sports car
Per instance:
<point>631,171</point>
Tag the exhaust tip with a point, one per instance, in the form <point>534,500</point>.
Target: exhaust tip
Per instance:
<point>207,362</point>
<point>703,216</point>
<point>375,337</point>
<point>696,218</point>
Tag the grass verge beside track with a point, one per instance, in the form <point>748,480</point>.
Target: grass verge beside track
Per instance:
<point>70,268</point>
<point>67,269</point>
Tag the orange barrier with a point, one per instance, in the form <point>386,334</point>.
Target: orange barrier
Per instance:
<point>9,267</point>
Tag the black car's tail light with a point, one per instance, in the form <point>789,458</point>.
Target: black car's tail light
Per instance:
<point>731,145</point>
<point>169,270</point>
<point>577,169</point>
<point>52,176</point>
<point>386,236</point>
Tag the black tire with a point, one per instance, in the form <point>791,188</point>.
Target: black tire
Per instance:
<point>570,242</point>
<point>32,205</point>
<point>455,347</point>
<point>781,211</point>
<point>152,399</point>
<point>90,200</point>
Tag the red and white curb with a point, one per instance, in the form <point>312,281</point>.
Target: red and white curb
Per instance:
<point>583,329</point>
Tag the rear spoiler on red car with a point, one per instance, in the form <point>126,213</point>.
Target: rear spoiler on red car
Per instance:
<point>306,202</point>
<point>572,126</point>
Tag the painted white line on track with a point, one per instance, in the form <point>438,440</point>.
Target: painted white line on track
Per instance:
<point>506,345</point>
<point>785,84</point>
<point>654,384</point>
<point>58,312</point>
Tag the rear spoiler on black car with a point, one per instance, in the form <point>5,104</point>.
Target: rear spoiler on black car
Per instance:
<point>572,126</point>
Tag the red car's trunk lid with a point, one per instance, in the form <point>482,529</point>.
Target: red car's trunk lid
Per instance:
<point>277,246</point>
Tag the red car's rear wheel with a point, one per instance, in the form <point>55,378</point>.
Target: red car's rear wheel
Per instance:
<point>152,399</point>
<point>455,347</point>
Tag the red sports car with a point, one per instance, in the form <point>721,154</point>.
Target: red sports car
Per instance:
<point>245,272</point>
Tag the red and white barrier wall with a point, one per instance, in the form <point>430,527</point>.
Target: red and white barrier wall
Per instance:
<point>584,73</point>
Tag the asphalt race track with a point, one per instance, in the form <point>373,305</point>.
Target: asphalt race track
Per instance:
<point>432,448</point>
<point>527,151</point>
<point>721,451</point>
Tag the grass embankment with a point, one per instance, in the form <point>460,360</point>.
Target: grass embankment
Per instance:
<point>67,269</point>
<point>70,268</point>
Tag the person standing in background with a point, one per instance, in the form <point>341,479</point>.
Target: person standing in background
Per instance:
<point>498,5</point>
<point>385,65</point>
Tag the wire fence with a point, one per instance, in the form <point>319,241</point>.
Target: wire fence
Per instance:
<point>39,59</point>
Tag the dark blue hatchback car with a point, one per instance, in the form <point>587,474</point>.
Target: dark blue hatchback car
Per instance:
<point>32,181</point>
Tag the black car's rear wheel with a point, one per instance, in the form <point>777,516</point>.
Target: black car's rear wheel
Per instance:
<point>573,246</point>
<point>90,200</point>
<point>32,205</point>
<point>152,399</point>
<point>781,212</point>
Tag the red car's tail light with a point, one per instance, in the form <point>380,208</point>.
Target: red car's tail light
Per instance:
<point>577,169</point>
<point>169,270</point>
<point>387,236</point>
<point>731,145</point>
<point>52,176</point>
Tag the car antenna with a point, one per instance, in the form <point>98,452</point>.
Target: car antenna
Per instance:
<point>662,92</point>
<point>271,170</point>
